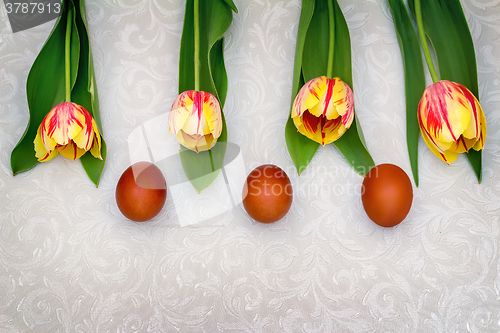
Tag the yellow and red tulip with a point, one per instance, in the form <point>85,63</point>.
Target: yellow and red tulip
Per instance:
<point>196,120</point>
<point>68,129</point>
<point>451,120</point>
<point>323,109</point>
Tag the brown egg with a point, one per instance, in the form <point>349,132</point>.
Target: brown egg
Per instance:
<point>141,191</point>
<point>387,195</point>
<point>267,194</point>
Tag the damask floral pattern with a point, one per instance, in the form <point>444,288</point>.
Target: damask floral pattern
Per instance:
<point>70,262</point>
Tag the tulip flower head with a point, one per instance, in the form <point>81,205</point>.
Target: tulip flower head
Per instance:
<point>67,129</point>
<point>196,120</point>
<point>323,109</point>
<point>451,120</point>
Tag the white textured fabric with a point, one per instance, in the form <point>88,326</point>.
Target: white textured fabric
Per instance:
<point>70,262</point>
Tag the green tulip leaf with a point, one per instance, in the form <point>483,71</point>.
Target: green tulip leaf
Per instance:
<point>446,26</point>
<point>231,4</point>
<point>208,163</point>
<point>84,93</point>
<point>316,45</point>
<point>414,77</point>
<point>352,144</point>
<point>311,61</point>
<point>306,14</point>
<point>218,70</point>
<point>215,17</point>
<point>45,86</point>
<point>301,149</point>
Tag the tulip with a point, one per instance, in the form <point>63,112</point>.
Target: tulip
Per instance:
<point>67,129</point>
<point>196,120</point>
<point>451,120</point>
<point>323,109</point>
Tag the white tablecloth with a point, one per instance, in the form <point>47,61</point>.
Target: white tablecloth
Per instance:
<point>70,262</point>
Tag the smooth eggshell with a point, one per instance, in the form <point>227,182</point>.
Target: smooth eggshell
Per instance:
<point>387,195</point>
<point>141,191</point>
<point>267,194</point>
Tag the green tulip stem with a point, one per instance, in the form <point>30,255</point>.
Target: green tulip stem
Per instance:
<point>423,41</point>
<point>196,45</point>
<point>211,159</point>
<point>67,59</point>
<point>331,46</point>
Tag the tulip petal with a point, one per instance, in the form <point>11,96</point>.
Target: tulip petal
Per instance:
<point>444,112</point>
<point>451,120</point>
<point>89,139</point>
<point>449,156</point>
<point>320,129</point>
<point>323,109</point>
<point>40,152</point>
<point>473,131</point>
<point>462,145</point>
<point>49,143</point>
<point>212,114</point>
<point>333,129</point>
<point>196,120</point>
<point>196,142</point>
<point>444,156</point>
<point>39,147</point>
<point>348,118</point>
<point>47,157</point>
<point>210,141</point>
<point>71,151</point>
<point>188,141</point>
<point>345,105</point>
<point>476,131</point>
<point>85,138</point>
<point>338,100</point>
<point>482,135</point>
<point>64,122</point>
<point>325,106</point>
<point>309,96</point>
<point>95,150</point>
<point>180,111</point>
<point>437,145</point>
<point>67,129</point>
<point>311,127</point>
